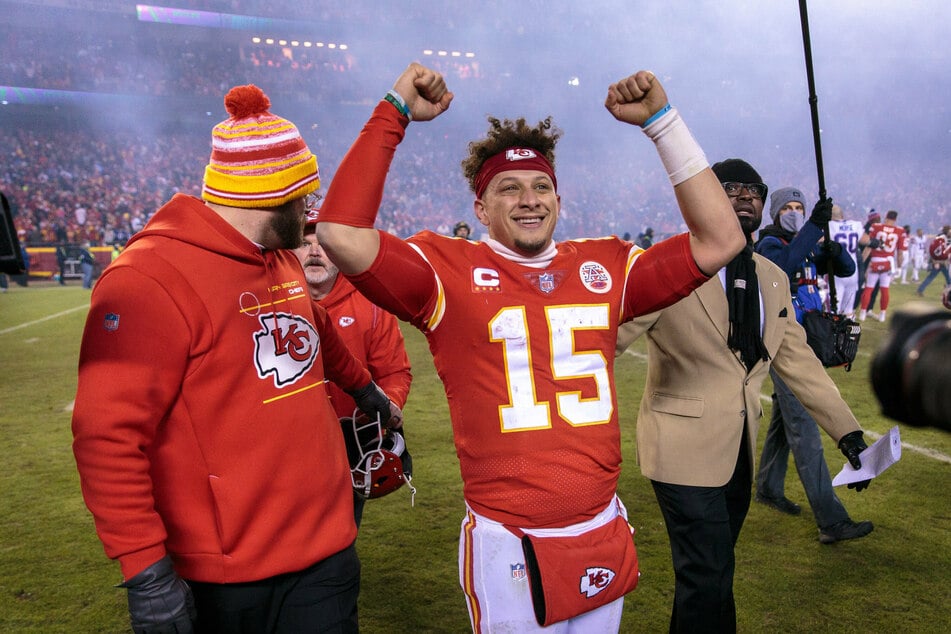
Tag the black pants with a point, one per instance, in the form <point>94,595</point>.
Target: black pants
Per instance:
<point>703,524</point>
<point>322,598</point>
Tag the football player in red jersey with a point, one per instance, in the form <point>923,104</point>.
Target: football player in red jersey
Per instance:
<point>885,259</point>
<point>522,331</point>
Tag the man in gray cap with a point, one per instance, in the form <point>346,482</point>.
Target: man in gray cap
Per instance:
<point>695,439</point>
<point>793,243</point>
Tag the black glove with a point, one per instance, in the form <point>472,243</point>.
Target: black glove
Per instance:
<point>822,212</point>
<point>874,243</point>
<point>851,445</point>
<point>373,402</point>
<point>160,602</point>
<point>832,249</point>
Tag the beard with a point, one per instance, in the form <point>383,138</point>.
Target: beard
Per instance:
<point>533,247</point>
<point>288,227</point>
<point>749,225</point>
<point>317,273</point>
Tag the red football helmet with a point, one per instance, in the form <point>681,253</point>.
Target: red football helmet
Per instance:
<point>379,461</point>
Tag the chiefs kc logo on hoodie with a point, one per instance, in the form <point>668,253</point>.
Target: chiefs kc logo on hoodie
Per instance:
<point>285,347</point>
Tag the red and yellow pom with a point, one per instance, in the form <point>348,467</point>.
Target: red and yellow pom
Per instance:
<point>246,101</point>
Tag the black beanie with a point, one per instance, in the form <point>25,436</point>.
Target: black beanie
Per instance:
<point>736,170</point>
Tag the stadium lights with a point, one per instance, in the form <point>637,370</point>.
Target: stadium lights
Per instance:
<point>429,52</point>
<point>306,43</point>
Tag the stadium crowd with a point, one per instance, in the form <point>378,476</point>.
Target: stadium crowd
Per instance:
<point>74,185</point>
<point>74,178</point>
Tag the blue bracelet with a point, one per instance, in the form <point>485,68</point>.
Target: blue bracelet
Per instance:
<point>657,115</point>
<point>397,100</point>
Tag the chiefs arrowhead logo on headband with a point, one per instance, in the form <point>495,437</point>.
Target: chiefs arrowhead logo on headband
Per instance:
<point>513,158</point>
<point>517,154</point>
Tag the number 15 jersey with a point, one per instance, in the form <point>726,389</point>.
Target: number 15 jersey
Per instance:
<point>526,356</point>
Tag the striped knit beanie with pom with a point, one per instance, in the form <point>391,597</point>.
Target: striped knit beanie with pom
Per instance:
<point>257,159</point>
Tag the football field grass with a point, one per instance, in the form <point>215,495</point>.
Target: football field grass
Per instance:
<point>54,576</point>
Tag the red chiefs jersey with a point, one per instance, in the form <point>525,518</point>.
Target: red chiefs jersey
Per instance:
<point>939,248</point>
<point>526,356</point>
<point>891,238</point>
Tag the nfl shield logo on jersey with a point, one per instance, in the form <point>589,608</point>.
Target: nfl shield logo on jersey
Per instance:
<point>546,282</point>
<point>518,572</point>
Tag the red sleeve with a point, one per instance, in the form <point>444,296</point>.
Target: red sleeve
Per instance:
<point>386,357</point>
<point>340,366</point>
<point>399,280</point>
<point>662,275</point>
<point>356,190</point>
<point>131,369</point>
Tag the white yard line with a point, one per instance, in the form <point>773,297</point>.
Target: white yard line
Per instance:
<point>924,451</point>
<point>873,436</point>
<point>42,319</point>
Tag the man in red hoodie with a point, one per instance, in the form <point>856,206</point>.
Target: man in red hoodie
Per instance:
<point>207,449</point>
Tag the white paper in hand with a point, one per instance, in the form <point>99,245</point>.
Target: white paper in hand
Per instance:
<point>885,452</point>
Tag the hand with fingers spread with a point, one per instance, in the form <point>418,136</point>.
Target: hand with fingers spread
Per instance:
<point>424,92</point>
<point>635,98</point>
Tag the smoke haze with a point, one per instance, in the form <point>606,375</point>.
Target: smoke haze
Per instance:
<point>734,68</point>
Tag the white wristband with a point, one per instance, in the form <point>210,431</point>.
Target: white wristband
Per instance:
<point>680,153</point>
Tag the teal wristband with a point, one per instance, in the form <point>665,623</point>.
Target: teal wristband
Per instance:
<point>657,115</point>
<point>394,98</point>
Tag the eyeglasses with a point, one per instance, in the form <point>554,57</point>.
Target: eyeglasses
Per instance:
<point>312,202</point>
<point>756,190</point>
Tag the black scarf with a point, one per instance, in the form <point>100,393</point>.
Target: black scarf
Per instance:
<point>742,295</point>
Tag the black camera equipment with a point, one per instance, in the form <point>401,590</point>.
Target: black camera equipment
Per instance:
<point>911,372</point>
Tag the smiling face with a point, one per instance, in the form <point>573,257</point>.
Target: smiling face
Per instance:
<point>520,210</point>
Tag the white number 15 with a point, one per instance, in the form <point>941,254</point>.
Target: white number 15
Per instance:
<point>523,411</point>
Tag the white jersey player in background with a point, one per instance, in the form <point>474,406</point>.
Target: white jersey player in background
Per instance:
<point>917,253</point>
<point>847,233</point>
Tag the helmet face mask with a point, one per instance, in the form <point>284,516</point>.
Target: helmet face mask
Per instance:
<point>375,454</point>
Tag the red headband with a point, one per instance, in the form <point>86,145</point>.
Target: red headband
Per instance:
<point>514,158</point>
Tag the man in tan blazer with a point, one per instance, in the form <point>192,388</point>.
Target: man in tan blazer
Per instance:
<point>708,356</point>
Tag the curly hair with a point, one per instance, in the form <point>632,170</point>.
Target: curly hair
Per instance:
<point>505,134</point>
